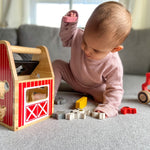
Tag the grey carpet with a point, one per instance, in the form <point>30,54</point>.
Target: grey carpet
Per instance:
<point>119,133</point>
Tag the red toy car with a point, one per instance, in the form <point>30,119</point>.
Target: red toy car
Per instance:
<point>144,95</point>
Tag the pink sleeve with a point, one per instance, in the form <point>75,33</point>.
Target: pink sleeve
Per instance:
<point>67,31</point>
<point>113,93</point>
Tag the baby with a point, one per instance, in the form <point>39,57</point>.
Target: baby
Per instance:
<point>95,67</point>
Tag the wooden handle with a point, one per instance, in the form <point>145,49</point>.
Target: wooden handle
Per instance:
<point>25,50</point>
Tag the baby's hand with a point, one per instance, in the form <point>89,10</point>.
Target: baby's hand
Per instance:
<point>72,14</point>
<point>70,17</point>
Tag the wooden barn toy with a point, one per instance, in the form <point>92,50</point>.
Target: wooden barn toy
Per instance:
<point>26,87</point>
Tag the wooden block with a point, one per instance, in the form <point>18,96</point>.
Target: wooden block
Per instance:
<point>81,103</point>
<point>101,116</point>
<point>69,116</point>
<point>59,115</point>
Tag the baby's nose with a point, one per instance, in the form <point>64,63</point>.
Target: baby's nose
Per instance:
<point>87,52</point>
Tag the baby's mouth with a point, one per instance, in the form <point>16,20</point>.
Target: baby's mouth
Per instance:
<point>87,55</point>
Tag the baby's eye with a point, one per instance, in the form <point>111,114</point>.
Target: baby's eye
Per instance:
<point>96,51</point>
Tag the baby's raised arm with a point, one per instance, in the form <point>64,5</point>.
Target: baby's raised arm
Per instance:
<point>68,27</point>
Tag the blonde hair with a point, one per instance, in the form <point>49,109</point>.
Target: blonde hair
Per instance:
<point>111,17</point>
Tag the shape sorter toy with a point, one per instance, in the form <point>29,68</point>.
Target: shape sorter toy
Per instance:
<point>26,87</point>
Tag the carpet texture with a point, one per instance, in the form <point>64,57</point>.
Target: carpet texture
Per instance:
<point>123,132</point>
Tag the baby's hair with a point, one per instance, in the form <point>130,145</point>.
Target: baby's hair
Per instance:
<point>111,17</point>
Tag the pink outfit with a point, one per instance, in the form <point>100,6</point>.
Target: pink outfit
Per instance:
<point>100,78</point>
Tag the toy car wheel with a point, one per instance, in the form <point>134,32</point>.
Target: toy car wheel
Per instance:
<point>144,97</point>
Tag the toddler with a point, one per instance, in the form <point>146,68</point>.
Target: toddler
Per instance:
<point>95,67</point>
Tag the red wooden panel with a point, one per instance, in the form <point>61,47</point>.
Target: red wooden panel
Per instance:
<point>31,112</point>
<point>28,84</point>
<point>40,83</point>
<point>43,82</point>
<point>5,75</point>
<point>46,82</point>
<point>32,84</point>
<point>42,109</point>
<point>23,101</point>
<point>51,91</point>
<point>36,83</point>
<point>20,104</point>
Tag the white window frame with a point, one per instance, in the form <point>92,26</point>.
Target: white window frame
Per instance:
<point>34,2</point>
<point>70,5</point>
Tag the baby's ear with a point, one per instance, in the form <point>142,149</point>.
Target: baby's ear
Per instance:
<point>117,49</point>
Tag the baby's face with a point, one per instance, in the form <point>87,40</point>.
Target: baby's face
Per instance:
<point>96,47</point>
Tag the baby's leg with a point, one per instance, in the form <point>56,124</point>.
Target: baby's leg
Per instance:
<point>62,71</point>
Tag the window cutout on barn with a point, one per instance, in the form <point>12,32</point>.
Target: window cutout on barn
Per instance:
<point>36,94</point>
<point>4,88</point>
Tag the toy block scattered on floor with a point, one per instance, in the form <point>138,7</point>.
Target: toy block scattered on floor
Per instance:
<point>59,100</point>
<point>79,113</point>
<point>102,116</point>
<point>88,112</point>
<point>59,115</point>
<point>27,87</point>
<point>95,114</point>
<point>73,114</point>
<point>69,116</point>
<point>98,115</point>
<point>76,114</point>
<point>128,110</point>
<point>81,103</point>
